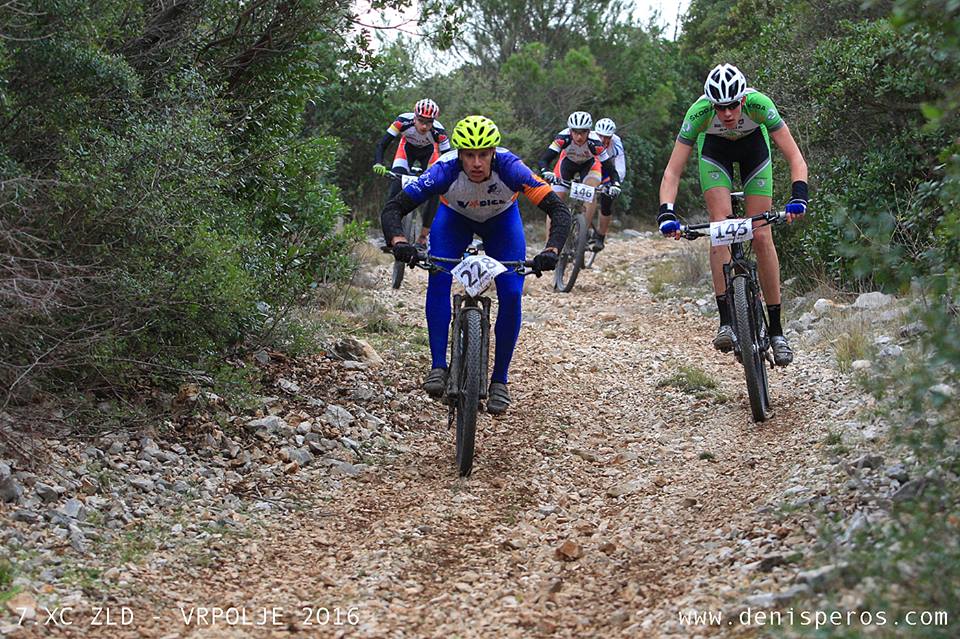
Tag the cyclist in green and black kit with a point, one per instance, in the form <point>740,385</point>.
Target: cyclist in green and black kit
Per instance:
<point>732,123</point>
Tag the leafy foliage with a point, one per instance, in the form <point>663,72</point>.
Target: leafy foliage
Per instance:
<point>166,190</point>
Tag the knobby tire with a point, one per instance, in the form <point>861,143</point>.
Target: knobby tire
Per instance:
<point>571,257</point>
<point>754,368</point>
<point>468,396</point>
<point>411,229</point>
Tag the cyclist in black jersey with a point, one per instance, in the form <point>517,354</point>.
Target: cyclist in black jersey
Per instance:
<point>422,140</point>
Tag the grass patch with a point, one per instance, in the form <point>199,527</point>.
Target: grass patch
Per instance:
<point>688,267</point>
<point>909,560</point>
<point>7,573</point>
<point>85,578</point>
<point>853,342</point>
<point>694,381</point>
<point>659,277</point>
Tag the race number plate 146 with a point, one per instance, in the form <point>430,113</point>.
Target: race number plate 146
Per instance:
<point>477,272</point>
<point>729,231</point>
<point>583,192</point>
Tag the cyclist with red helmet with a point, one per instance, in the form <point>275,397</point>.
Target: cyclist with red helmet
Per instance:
<point>422,140</point>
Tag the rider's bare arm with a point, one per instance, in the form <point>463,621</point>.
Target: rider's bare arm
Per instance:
<point>670,184</point>
<point>788,146</point>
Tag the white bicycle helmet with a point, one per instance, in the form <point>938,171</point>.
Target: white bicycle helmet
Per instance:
<point>579,120</point>
<point>605,126</point>
<point>725,83</point>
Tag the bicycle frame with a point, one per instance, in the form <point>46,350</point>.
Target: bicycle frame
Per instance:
<point>740,265</point>
<point>751,345</point>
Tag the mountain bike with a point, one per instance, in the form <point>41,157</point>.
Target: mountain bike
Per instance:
<point>412,222</point>
<point>467,380</point>
<point>751,344</point>
<point>571,256</point>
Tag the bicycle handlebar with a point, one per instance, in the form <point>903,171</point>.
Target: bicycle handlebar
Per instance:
<point>601,188</point>
<point>433,263</point>
<point>693,231</point>
<point>393,175</point>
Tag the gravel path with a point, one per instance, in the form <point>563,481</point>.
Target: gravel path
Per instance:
<point>600,505</point>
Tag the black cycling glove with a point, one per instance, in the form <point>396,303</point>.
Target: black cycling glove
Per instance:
<point>405,252</point>
<point>545,261</point>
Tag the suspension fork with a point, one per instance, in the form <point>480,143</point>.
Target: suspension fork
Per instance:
<point>453,385</point>
<point>484,345</point>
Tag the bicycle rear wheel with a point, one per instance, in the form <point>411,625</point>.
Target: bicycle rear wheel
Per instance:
<point>751,355</point>
<point>570,260</point>
<point>469,379</point>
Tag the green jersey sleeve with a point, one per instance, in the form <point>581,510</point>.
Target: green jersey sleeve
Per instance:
<point>696,121</point>
<point>763,111</point>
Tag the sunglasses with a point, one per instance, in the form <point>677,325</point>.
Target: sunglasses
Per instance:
<point>730,106</point>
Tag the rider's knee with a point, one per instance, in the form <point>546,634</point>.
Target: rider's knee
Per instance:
<point>763,244</point>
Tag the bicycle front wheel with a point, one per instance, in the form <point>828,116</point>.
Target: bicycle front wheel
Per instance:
<point>469,379</point>
<point>411,229</point>
<point>589,256</point>
<point>751,355</point>
<point>570,260</point>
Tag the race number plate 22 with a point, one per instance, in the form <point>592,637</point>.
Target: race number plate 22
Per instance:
<point>477,272</point>
<point>729,231</point>
<point>583,192</point>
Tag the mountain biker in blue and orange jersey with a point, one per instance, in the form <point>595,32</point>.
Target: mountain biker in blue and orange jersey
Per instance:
<point>732,123</point>
<point>606,129</point>
<point>580,152</point>
<point>479,183</point>
<point>422,140</point>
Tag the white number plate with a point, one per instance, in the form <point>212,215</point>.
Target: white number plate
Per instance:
<point>583,192</point>
<point>477,272</point>
<point>407,180</point>
<point>730,231</point>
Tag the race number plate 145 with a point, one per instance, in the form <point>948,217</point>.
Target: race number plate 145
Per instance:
<point>729,231</point>
<point>477,272</point>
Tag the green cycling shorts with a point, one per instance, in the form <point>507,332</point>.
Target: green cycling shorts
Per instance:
<point>751,152</point>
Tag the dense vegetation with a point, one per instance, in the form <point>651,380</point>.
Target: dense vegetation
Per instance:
<point>165,188</point>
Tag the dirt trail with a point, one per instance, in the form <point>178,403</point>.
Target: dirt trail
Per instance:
<point>646,485</point>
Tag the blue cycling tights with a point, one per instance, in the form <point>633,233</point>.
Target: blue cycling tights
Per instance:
<point>503,240</point>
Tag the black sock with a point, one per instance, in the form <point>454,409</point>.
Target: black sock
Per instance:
<point>600,237</point>
<point>773,310</point>
<point>724,309</point>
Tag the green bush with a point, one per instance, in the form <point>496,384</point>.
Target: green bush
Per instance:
<point>163,202</point>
